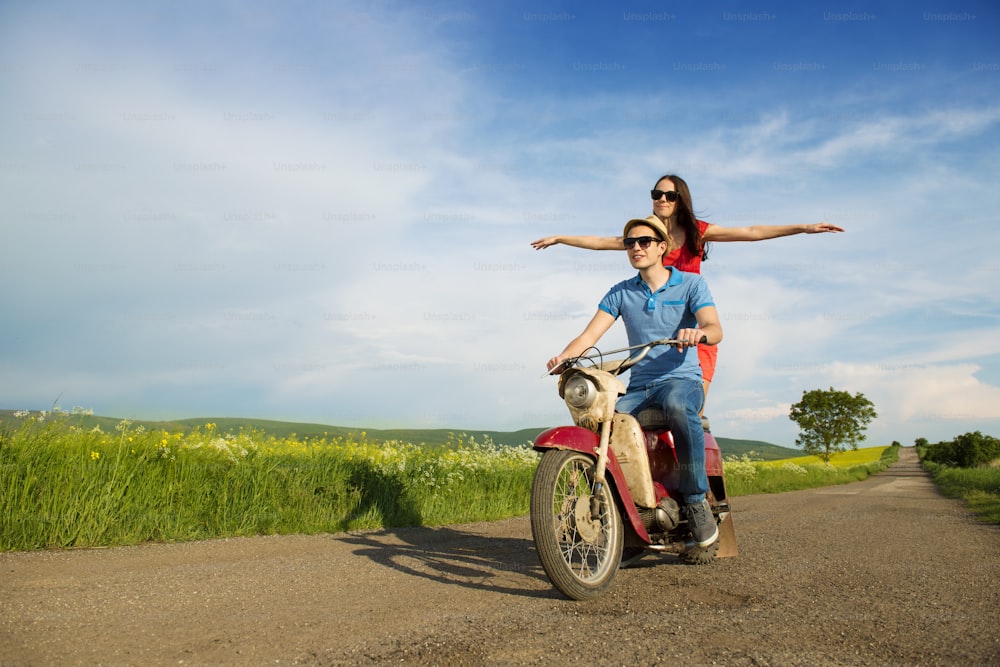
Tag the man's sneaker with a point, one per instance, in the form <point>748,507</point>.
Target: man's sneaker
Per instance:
<point>702,523</point>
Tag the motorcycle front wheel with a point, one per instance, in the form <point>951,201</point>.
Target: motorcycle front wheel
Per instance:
<point>578,534</point>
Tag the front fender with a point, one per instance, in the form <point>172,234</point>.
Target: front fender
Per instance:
<point>576,438</point>
<point>579,439</point>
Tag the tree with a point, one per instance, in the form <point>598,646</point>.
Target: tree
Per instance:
<point>831,420</point>
<point>965,451</point>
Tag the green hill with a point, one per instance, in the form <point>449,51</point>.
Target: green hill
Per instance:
<point>761,450</point>
<point>283,429</point>
<point>418,436</point>
<point>729,446</point>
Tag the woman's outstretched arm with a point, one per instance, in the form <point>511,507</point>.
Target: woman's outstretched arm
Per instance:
<point>718,233</point>
<point>586,242</point>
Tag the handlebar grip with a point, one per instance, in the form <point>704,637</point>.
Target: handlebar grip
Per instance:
<point>562,366</point>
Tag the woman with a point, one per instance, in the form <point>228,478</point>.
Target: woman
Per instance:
<point>688,236</point>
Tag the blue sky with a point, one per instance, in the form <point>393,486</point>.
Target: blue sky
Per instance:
<point>322,211</point>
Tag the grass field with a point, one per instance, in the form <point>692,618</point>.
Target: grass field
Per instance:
<point>745,476</point>
<point>67,482</point>
<point>300,430</point>
<point>849,458</point>
<point>65,486</point>
<point>978,487</point>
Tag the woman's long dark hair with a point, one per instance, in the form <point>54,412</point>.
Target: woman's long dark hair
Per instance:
<point>684,217</point>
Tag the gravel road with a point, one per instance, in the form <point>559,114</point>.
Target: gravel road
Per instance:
<point>880,572</point>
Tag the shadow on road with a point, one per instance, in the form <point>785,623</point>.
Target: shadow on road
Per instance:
<point>455,557</point>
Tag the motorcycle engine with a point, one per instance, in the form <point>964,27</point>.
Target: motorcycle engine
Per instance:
<point>663,518</point>
<point>668,514</point>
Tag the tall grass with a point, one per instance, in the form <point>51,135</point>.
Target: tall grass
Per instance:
<point>978,487</point>
<point>63,486</point>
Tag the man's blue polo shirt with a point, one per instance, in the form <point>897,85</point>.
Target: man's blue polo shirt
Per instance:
<point>648,316</point>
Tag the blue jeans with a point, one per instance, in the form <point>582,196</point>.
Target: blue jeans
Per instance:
<point>681,400</point>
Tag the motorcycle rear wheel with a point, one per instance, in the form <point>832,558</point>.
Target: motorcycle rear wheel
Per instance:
<point>701,555</point>
<point>580,552</point>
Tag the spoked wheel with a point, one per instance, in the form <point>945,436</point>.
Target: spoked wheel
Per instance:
<point>578,534</point>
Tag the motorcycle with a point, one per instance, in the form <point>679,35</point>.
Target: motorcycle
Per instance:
<point>608,466</point>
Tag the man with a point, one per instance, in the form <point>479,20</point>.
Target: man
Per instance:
<point>663,302</point>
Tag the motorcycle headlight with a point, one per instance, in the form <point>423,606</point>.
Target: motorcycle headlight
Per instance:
<point>580,392</point>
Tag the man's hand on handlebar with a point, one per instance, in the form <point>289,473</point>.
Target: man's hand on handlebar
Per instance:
<point>689,338</point>
<point>557,364</point>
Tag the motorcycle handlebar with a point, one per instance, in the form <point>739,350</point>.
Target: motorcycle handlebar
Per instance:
<point>627,363</point>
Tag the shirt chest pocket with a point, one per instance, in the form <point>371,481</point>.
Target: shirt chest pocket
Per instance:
<point>669,314</point>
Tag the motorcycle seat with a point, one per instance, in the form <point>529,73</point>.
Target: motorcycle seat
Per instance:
<point>653,419</point>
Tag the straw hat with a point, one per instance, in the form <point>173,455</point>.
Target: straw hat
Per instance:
<point>651,221</point>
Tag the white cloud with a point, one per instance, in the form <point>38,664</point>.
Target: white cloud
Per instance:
<point>923,393</point>
<point>761,414</point>
<point>291,213</point>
